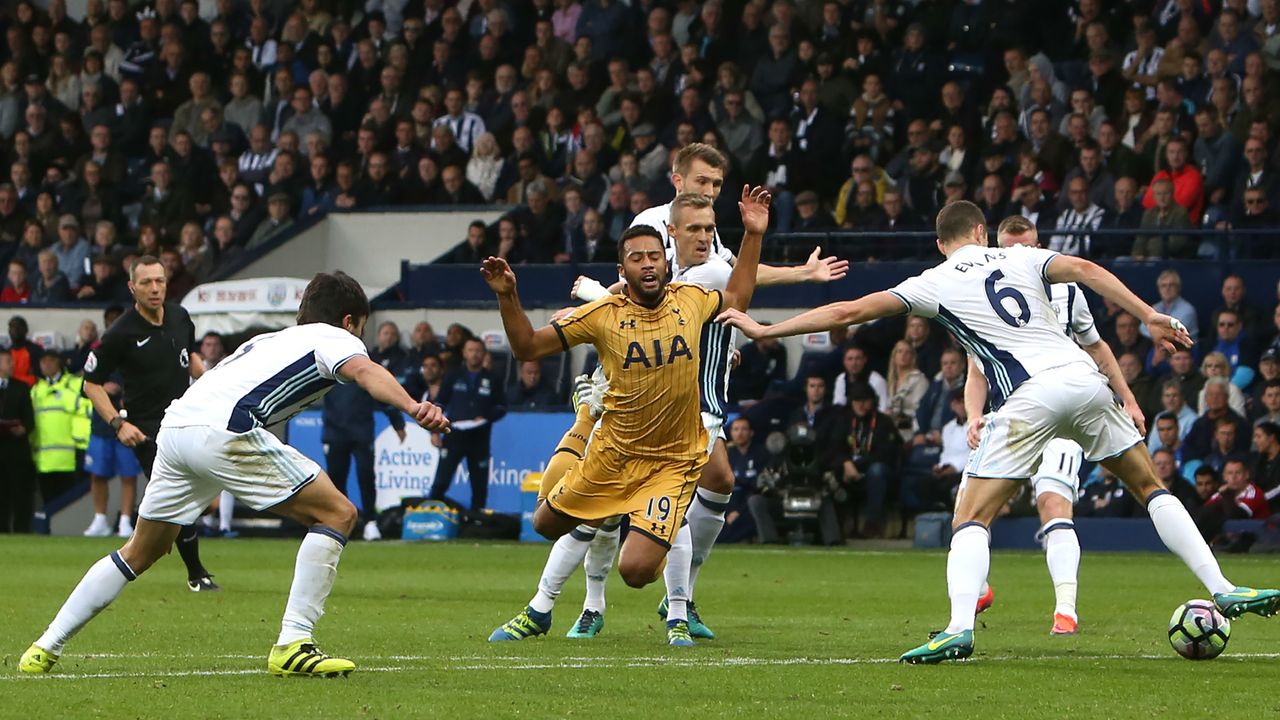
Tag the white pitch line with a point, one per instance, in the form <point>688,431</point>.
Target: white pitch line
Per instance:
<point>526,663</point>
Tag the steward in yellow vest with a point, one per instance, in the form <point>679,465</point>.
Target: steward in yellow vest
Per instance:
<point>61,418</point>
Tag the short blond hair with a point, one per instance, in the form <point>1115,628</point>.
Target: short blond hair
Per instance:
<point>1013,226</point>
<point>697,151</point>
<point>692,201</point>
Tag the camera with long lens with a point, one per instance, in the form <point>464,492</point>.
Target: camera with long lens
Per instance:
<point>797,483</point>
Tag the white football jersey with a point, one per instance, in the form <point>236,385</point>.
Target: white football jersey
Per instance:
<point>657,218</point>
<point>717,339</point>
<point>1073,312</point>
<point>267,380</point>
<point>712,274</point>
<point>996,302</point>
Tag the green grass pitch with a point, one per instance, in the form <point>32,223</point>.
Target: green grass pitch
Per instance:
<point>804,633</point>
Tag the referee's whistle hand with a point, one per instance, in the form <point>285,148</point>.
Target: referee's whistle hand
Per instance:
<point>130,435</point>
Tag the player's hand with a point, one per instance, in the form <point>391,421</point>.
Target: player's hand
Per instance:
<point>588,289</point>
<point>754,207</point>
<point>974,431</point>
<point>1168,332</point>
<point>430,416</point>
<point>735,360</point>
<point>562,313</point>
<point>824,269</point>
<point>499,275</point>
<point>1135,414</point>
<point>437,440</point>
<point>130,435</point>
<point>400,433</point>
<point>736,318</point>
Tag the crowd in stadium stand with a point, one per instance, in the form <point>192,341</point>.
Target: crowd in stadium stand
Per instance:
<point>199,130</point>
<point>883,405</point>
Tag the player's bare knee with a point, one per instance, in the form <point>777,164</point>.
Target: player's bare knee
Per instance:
<point>1052,506</point>
<point>637,574</point>
<point>140,556</point>
<point>1142,487</point>
<point>1139,482</point>
<point>546,524</point>
<point>715,479</point>
<point>338,514</point>
<point>342,517</point>
<point>957,523</point>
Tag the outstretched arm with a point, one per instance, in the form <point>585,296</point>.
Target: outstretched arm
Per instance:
<point>754,206</point>
<point>382,387</point>
<point>827,317</point>
<point>526,343</point>
<point>816,270</point>
<point>1166,332</point>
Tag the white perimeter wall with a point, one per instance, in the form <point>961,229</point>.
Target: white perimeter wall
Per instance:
<point>67,322</point>
<point>368,246</point>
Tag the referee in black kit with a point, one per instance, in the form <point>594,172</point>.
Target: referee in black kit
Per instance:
<point>152,346</point>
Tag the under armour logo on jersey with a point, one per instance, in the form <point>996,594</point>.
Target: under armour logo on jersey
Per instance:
<point>627,325</point>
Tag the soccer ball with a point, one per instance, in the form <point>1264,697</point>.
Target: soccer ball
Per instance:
<point>1197,631</point>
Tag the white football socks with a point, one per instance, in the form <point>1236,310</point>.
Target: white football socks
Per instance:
<point>1179,533</point>
<point>1062,553</point>
<point>676,574</point>
<point>96,591</point>
<point>565,555</point>
<point>967,567</point>
<point>313,576</point>
<point>226,510</point>
<point>706,520</point>
<point>598,562</point>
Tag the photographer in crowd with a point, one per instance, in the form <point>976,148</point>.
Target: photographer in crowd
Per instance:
<point>862,450</point>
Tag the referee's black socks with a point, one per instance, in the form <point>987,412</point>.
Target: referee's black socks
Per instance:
<point>189,548</point>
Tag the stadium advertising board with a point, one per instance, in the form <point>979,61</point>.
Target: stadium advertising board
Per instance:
<point>522,443</point>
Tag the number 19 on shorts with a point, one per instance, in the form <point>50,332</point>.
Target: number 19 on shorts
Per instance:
<point>659,509</point>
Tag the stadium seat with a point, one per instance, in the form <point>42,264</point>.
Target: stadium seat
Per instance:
<point>495,341</point>
<point>1189,470</point>
<point>816,355</point>
<point>556,368</point>
<point>49,340</point>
